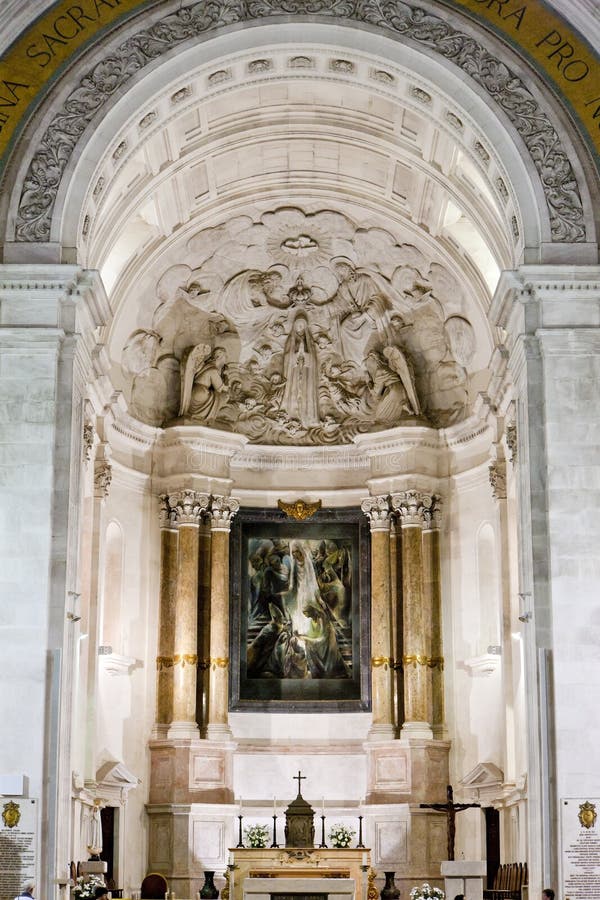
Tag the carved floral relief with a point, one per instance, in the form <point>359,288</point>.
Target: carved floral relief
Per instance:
<point>301,329</point>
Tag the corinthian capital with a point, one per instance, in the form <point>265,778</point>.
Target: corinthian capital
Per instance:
<point>187,507</point>
<point>377,510</point>
<point>416,508</point>
<point>222,511</point>
<point>497,472</point>
<point>102,478</point>
<point>166,513</point>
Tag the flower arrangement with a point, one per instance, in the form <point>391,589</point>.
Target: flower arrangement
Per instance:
<point>86,885</point>
<point>426,892</point>
<point>256,835</point>
<point>341,836</point>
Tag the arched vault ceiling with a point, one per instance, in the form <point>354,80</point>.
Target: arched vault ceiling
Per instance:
<point>459,53</point>
<point>299,251</point>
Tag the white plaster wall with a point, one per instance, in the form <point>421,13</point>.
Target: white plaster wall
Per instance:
<point>476,724</point>
<point>572,388</point>
<point>27,436</point>
<point>126,702</point>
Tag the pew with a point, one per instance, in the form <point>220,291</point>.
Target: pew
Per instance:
<point>509,880</point>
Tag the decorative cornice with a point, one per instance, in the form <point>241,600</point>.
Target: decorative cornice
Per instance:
<point>222,511</point>
<point>377,510</point>
<point>109,75</point>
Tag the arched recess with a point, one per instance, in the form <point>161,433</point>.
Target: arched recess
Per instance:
<point>520,122</point>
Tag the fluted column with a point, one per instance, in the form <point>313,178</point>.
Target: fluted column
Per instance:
<point>432,584</point>
<point>187,507</point>
<point>222,512</point>
<point>166,627</point>
<point>378,512</point>
<point>413,508</point>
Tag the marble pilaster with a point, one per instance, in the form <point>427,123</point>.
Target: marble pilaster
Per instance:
<point>222,511</point>
<point>378,513</point>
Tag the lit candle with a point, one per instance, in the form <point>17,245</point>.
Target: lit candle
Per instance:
<point>274,806</point>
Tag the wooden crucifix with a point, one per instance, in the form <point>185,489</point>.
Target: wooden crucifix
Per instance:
<point>450,808</point>
<point>299,777</point>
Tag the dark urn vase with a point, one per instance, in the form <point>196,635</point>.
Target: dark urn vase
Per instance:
<point>208,890</point>
<point>389,890</point>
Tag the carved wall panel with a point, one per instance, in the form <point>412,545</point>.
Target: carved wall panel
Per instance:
<point>301,329</point>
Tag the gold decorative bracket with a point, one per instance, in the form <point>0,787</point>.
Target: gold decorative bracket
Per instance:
<point>300,509</point>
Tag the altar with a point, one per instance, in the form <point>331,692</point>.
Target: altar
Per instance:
<point>299,874</point>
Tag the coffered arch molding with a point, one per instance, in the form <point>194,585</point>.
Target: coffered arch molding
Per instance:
<point>547,234</point>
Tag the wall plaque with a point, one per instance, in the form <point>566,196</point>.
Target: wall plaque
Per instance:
<point>580,830</point>
<point>18,844</point>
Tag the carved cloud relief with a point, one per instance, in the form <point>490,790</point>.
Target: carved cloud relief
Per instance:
<point>301,329</point>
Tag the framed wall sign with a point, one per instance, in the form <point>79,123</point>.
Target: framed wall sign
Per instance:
<point>300,611</point>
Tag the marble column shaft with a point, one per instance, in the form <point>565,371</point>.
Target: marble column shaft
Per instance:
<point>377,510</point>
<point>222,512</point>
<point>166,634</point>
<point>414,513</point>
<point>432,573</point>
<point>187,507</point>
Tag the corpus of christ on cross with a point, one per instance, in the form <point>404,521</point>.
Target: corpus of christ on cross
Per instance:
<point>450,808</point>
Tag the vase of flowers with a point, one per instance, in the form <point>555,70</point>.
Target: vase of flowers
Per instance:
<point>341,836</point>
<point>427,892</point>
<point>256,836</point>
<point>85,886</point>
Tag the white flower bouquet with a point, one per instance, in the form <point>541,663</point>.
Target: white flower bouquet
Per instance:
<point>341,836</point>
<point>256,835</point>
<point>86,885</point>
<point>426,892</point>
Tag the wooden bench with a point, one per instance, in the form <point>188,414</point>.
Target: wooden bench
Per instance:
<point>509,880</point>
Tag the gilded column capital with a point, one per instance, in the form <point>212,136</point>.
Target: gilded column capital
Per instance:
<point>416,508</point>
<point>187,506</point>
<point>222,511</point>
<point>377,510</point>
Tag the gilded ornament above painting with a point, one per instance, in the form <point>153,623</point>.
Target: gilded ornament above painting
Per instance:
<point>300,329</point>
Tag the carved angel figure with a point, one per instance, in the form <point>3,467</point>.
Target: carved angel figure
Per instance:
<point>203,390</point>
<point>392,389</point>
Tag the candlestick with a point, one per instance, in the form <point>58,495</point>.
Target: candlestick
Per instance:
<point>240,839</point>
<point>274,844</point>
<point>322,844</point>
<point>360,844</point>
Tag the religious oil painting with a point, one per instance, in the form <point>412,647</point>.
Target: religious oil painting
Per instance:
<point>299,611</point>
